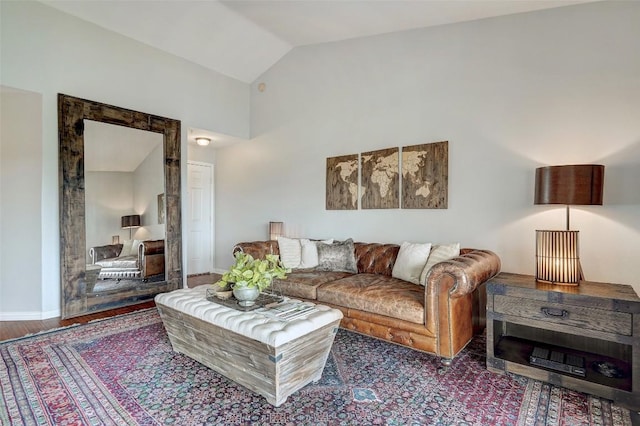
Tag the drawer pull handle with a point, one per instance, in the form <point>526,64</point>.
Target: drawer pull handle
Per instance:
<point>554,312</point>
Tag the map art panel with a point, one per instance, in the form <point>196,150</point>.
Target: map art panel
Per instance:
<point>342,183</point>
<point>380,179</point>
<point>425,176</point>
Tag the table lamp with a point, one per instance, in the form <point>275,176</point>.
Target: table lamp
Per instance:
<point>131,221</point>
<point>557,252</point>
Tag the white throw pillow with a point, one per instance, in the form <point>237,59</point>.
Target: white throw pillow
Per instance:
<point>135,246</point>
<point>410,261</point>
<point>130,248</point>
<point>126,248</point>
<point>290,252</point>
<point>309,254</point>
<point>439,253</point>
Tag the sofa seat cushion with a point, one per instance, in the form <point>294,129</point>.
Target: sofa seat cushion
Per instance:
<point>304,282</point>
<point>378,294</point>
<point>126,262</point>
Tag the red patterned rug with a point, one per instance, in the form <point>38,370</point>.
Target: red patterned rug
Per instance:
<point>122,371</point>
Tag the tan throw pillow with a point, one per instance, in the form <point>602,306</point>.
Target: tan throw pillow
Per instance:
<point>337,257</point>
<point>309,256</point>
<point>410,261</point>
<point>439,253</point>
<point>290,252</point>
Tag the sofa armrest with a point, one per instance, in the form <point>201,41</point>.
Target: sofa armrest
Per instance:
<point>467,271</point>
<point>104,252</point>
<point>151,257</point>
<point>257,249</point>
<point>452,308</point>
<point>151,247</point>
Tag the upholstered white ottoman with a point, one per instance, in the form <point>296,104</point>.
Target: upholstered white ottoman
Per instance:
<point>271,357</point>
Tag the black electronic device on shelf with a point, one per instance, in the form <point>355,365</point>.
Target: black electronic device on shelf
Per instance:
<point>557,360</point>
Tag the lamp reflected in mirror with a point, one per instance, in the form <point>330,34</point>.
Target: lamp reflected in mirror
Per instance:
<point>130,222</point>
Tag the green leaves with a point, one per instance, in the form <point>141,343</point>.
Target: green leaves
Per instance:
<point>250,272</point>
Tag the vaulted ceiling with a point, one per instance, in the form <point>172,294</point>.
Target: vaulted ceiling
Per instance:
<point>244,38</point>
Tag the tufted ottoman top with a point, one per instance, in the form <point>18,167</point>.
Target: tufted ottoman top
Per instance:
<point>252,324</point>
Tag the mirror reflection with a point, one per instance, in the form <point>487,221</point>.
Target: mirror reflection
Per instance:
<point>124,208</point>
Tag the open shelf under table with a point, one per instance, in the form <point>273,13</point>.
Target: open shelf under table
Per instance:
<point>518,350</point>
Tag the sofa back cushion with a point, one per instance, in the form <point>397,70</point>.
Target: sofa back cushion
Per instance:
<point>371,258</point>
<point>376,258</point>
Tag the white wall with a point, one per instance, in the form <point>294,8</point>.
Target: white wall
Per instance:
<point>48,52</point>
<point>107,196</point>
<point>20,203</point>
<point>204,154</point>
<point>148,183</point>
<point>509,94</point>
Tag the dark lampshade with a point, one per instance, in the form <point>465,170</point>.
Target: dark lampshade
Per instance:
<point>570,185</point>
<point>132,221</point>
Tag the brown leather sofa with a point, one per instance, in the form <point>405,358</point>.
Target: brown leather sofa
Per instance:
<point>147,262</point>
<point>439,318</point>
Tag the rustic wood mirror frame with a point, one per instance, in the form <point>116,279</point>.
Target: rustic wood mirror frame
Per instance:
<point>72,112</point>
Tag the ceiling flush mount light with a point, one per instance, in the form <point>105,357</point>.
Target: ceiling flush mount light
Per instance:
<point>557,254</point>
<point>203,141</point>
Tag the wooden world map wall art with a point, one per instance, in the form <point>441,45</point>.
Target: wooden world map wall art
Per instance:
<point>380,179</point>
<point>425,177</point>
<point>342,183</point>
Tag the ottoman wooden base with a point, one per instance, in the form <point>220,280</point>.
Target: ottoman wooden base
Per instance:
<point>273,372</point>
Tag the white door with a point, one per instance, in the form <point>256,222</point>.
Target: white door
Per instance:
<point>200,218</point>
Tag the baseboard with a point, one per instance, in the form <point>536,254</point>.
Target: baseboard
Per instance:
<point>215,271</point>
<point>29,315</point>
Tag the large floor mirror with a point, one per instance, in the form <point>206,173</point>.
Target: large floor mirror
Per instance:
<point>120,221</point>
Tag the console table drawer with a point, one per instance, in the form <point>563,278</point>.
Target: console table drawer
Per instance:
<point>577,316</point>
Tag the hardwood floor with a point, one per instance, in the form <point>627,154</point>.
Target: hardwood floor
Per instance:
<point>14,329</point>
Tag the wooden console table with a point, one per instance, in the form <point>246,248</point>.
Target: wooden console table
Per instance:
<point>585,338</point>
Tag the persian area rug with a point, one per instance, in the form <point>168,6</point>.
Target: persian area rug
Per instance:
<point>122,371</point>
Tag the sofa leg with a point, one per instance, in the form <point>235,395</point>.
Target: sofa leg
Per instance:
<point>446,361</point>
